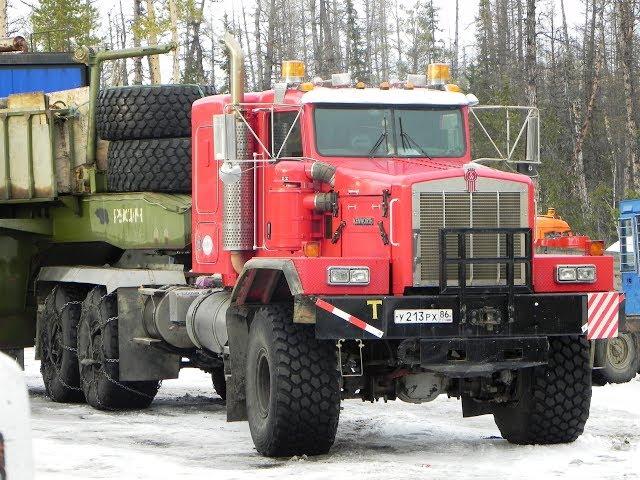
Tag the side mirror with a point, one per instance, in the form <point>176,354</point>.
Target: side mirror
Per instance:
<point>533,137</point>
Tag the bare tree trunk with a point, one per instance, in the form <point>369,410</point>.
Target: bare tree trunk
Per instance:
<point>249,51</point>
<point>137,62</point>
<point>258,34</point>
<point>531,62</point>
<point>3,18</point>
<point>456,44</point>
<point>154,60</point>
<point>123,44</point>
<point>625,54</point>
<point>173,22</point>
<point>578,158</point>
<point>268,61</point>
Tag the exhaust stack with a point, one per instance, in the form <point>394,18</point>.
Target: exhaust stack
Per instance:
<point>238,204</point>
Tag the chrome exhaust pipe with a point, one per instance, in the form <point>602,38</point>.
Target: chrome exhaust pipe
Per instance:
<point>238,205</point>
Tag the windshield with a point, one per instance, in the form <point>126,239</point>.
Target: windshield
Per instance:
<point>386,132</point>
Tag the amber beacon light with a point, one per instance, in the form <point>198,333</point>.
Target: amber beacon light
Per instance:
<point>293,71</point>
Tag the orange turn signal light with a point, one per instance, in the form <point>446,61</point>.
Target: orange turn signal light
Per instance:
<point>596,248</point>
<point>306,87</point>
<point>311,249</point>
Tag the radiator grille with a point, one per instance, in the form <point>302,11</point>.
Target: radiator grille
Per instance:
<point>438,210</point>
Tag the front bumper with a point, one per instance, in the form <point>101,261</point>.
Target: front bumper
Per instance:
<point>472,343</point>
<point>532,315</point>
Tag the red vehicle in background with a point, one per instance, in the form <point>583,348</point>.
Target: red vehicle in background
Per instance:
<point>615,359</point>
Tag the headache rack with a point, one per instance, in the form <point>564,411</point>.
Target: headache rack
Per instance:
<point>462,261</point>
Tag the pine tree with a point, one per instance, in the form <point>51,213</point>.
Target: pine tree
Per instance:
<point>356,50</point>
<point>80,21</point>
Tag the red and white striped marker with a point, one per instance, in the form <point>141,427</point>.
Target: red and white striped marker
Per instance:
<point>356,322</point>
<point>602,315</point>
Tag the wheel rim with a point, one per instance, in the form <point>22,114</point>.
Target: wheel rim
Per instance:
<point>263,383</point>
<point>619,352</point>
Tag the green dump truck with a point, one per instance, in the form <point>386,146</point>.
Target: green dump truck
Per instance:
<point>54,205</point>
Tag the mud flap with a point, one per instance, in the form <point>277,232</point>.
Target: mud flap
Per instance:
<point>17,318</point>
<point>235,363</point>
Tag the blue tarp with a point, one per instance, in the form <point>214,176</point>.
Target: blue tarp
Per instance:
<point>44,78</point>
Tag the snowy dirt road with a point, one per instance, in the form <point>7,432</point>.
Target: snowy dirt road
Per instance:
<point>184,435</point>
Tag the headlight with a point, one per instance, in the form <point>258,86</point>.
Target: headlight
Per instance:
<point>576,273</point>
<point>359,275</point>
<point>587,274</point>
<point>348,276</point>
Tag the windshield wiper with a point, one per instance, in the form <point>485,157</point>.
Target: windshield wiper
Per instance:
<point>383,136</point>
<point>404,136</point>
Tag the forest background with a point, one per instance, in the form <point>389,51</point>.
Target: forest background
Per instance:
<point>576,60</point>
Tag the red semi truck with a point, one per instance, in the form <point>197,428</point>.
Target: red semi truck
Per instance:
<point>343,244</point>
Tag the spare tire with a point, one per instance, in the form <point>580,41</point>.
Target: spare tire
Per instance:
<point>159,165</point>
<point>147,111</point>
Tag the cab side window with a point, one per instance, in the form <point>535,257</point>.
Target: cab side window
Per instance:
<point>627,246</point>
<point>282,122</point>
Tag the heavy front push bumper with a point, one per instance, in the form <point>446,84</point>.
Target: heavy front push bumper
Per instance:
<point>483,334</point>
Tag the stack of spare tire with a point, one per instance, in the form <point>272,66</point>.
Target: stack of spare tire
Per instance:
<point>149,130</point>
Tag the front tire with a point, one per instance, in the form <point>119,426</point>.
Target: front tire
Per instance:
<point>98,355</point>
<point>553,400</point>
<point>292,386</point>
<point>621,360</point>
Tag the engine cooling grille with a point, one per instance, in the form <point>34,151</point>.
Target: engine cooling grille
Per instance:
<point>456,209</point>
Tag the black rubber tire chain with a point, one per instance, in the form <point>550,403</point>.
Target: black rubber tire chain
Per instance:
<point>98,356</point>
<point>58,340</point>
<point>554,399</point>
<point>147,111</point>
<point>304,403</point>
<point>158,165</point>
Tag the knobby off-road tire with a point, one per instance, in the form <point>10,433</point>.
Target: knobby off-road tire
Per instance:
<point>292,386</point>
<point>159,165</point>
<point>58,338</point>
<point>621,360</point>
<point>554,400</point>
<point>219,382</point>
<point>99,359</point>
<point>147,111</point>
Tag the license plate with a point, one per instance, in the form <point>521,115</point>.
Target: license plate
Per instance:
<point>426,315</point>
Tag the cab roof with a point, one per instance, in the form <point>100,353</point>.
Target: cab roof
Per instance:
<point>376,96</point>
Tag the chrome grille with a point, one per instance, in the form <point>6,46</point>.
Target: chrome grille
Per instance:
<point>452,209</point>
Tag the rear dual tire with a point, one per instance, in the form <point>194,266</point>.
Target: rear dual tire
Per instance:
<point>58,341</point>
<point>98,357</point>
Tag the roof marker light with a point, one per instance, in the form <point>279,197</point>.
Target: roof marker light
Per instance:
<point>341,79</point>
<point>293,71</point>
<point>418,80</point>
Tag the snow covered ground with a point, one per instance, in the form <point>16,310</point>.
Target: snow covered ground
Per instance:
<point>184,435</point>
